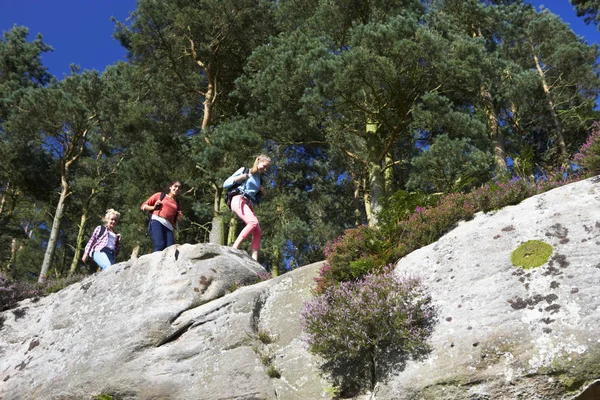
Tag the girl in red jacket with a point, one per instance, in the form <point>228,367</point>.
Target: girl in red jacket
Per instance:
<point>165,215</point>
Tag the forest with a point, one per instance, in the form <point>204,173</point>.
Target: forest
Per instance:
<point>354,101</point>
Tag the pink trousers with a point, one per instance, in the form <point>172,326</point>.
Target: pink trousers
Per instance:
<point>240,206</point>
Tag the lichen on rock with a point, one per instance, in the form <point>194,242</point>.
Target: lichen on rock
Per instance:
<point>531,254</point>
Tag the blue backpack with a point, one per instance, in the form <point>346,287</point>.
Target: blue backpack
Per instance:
<point>234,190</point>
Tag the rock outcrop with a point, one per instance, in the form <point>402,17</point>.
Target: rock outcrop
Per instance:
<point>505,332</point>
<point>181,324</point>
<point>163,327</point>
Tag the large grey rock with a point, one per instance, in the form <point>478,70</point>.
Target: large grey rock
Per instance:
<point>166,327</point>
<point>503,332</point>
<point>158,327</point>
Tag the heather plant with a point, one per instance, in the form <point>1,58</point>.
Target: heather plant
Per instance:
<point>8,293</point>
<point>493,196</point>
<point>12,292</point>
<point>588,156</point>
<point>363,250</point>
<point>264,276</point>
<point>365,329</point>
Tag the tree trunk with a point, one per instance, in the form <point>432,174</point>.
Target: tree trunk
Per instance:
<point>388,174</point>
<point>3,197</point>
<point>209,100</point>
<point>81,232</point>
<point>10,267</point>
<point>373,370</point>
<point>135,252</point>
<point>495,132</point>
<point>232,231</point>
<point>217,231</point>
<point>376,179</point>
<point>557,124</point>
<point>376,190</point>
<point>367,202</point>
<point>356,200</point>
<point>492,117</point>
<point>275,266</point>
<point>51,247</point>
<point>515,118</point>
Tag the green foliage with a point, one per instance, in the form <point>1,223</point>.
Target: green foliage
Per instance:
<point>266,358</point>
<point>355,253</point>
<point>20,65</point>
<point>588,9</point>
<point>105,396</point>
<point>265,337</point>
<point>273,372</point>
<point>531,254</point>
<point>233,286</point>
<point>401,205</point>
<point>450,166</point>
<point>364,328</point>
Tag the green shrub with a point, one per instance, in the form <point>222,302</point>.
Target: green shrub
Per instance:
<point>402,205</point>
<point>266,337</point>
<point>364,328</point>
<point>273,372</point>
<point>355,253</point>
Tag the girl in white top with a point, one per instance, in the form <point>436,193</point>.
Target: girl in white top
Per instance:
<point>104,244</point>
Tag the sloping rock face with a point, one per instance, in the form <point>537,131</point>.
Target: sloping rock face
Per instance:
<point>163,327</point>
<point>505,332</point>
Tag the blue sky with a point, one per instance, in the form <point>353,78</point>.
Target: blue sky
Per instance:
<point>565,10</point>
<point>81,30</point>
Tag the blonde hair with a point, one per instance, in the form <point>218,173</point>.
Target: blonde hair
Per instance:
<point>262,157</point>
<point>109,213</point>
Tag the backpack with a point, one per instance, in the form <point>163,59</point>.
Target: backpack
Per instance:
<point>149,215</point>
<point>234,190</point>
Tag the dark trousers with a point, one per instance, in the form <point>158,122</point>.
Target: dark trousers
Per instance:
<point>162,237</point>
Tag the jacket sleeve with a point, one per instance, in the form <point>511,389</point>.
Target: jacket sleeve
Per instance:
<point>150,201</point>
<point>229,181</point>
<point>92,241</point>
